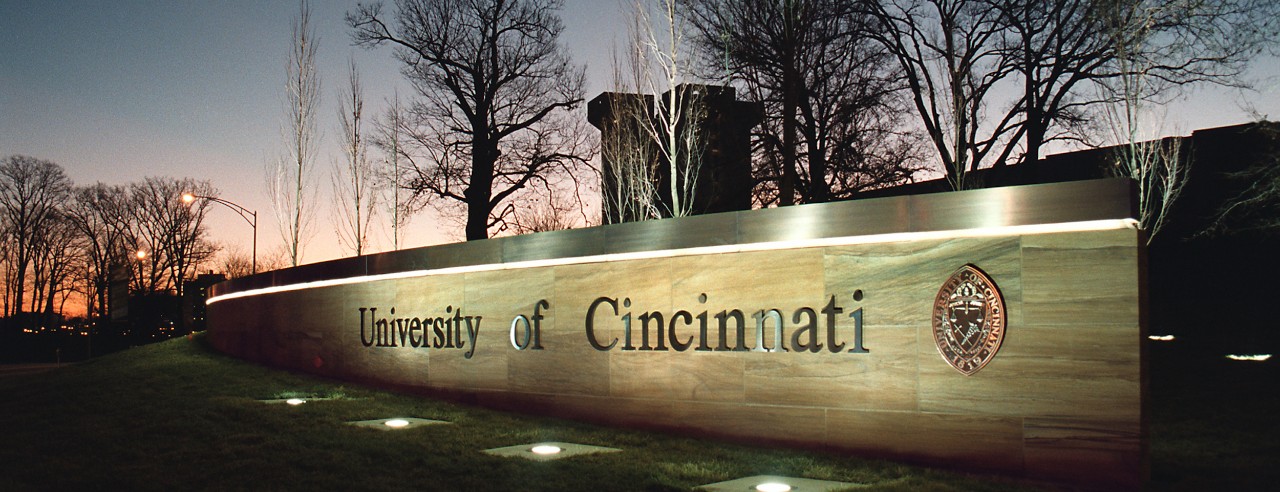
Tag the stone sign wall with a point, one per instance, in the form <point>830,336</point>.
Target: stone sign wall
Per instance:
<point>988,330</point>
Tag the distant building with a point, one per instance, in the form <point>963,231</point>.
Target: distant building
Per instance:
<point>724,179</point>
<point>1216,155</point>
<point>195,293</point>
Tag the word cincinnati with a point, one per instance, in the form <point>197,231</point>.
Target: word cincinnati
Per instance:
<point>441,332</point>
<point>696,328</point>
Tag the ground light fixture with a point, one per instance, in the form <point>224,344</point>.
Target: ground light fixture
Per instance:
<point>773,487</point>
<point>1160,338</point>
<point>1250,357</point>
<point>396,423</point>
<point>292,401</point>
<point>547,451</point>
<point>776,483</point>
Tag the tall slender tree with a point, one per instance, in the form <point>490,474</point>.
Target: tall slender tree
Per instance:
<point>290,179</point>
<point>353,176</point>
<point>388,138</point>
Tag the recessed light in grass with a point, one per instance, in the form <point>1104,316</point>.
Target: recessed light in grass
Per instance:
<point>545,449</point>
<point>773,487</point>
<point>777,483</point>
<point>1250,357</point>
<point>295,401</point>
<point>396,423</point>
<point>1161,338</point>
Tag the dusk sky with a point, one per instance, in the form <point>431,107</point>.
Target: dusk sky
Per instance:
<point>116,91</point>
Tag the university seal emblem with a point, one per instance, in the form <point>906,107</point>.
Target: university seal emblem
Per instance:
<point>968,320</point>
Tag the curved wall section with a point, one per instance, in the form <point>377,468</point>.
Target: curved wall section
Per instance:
<point>835,325</point>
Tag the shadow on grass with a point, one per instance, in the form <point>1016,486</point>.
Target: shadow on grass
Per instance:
<point>1213,424</point>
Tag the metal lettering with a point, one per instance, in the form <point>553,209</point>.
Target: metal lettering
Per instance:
<point>528,332</point>
<point>363,341</point>
<point>415,325</point>
<point>590,322</point>
<point>723,319</point>
<point>702,326</point>
<point>831,310</point>
<point>857,333</point>
<point>644,330</point>
<point>671,330</point>
<point>778,340</point>
<point>813,345</point>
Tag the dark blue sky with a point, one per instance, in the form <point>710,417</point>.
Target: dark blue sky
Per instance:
<point>117,90</point>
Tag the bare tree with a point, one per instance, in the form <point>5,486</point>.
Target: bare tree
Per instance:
<point>960,57</point>
<point>662,66</point>
<point>496,92</point>
<point>170,234</point>
<point>1255,207</point>
<point>629,159</point>
<point>832,97</point>
<point>58,250</point>
<point>389,139</point>
<point>1157,166</point>
<point>546,212</point>
<point>950,55</point>
<point>31,190</point>
<point>233,262</point>
<point>289,180</point>
<point>99,214</point>
<point>353,178</point>
<point>652,147</point>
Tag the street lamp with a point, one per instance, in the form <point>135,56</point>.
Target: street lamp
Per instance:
<point>249,216</point>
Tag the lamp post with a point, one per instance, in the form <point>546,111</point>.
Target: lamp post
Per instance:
<point>141,256</point>
<point>249,216</point>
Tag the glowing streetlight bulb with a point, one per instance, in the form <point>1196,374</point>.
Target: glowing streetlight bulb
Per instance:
<point>295,401</point>
<point>545,449</point>
<point>142,255</point>
<point>396,423</point>
<point>773,487</point>
<point>188,198</point>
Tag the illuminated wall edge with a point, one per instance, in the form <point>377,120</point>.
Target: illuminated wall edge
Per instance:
<point>1020,230</point>
<point>1029,209</point>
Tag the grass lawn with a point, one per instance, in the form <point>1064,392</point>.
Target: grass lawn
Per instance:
<point>177,416</point>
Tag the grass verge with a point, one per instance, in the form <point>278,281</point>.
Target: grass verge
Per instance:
<point>178,416</point>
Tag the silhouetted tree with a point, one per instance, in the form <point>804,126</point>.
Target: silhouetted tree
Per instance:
<point>100,215</point>
<point>496,90</point>
<point>960,58</point>
<point>31,191</point>
<point>170,232</point>
<point>832,97</point>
